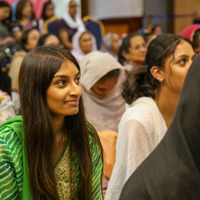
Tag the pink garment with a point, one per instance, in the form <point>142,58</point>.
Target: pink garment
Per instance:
<point>188,32</point>
<point>37,6</point>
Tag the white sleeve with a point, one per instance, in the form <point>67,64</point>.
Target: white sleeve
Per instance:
<point>134,144</point>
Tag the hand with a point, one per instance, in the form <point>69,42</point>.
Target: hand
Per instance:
<point>7,40</point>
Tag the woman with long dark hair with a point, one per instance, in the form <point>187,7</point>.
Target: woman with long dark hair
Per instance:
<point>151,93</point>
<point>50,152</point>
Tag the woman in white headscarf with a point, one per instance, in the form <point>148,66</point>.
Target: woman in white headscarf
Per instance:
<point>83,43</point>
<point>70,24</point>
<point>101,78</point>
<point>111,43</point>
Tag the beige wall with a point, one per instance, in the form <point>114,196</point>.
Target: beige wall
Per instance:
<point>184,7</point>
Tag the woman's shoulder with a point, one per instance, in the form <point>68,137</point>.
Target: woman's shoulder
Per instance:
<point>12,130</point>
<point>142,104</point>
<point>144,110</point>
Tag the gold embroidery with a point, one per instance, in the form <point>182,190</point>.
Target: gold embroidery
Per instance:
<point>67,177</point>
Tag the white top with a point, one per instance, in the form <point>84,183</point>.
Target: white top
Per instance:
<point>140,130</point>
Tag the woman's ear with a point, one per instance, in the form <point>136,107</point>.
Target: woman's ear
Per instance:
<point>157,73</point>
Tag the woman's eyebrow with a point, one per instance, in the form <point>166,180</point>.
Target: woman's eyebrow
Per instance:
<point>61,76</point>
<point>64,76</point>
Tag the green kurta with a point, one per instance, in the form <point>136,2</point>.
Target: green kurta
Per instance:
<point>13,178</point>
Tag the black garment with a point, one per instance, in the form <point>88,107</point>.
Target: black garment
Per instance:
<point>5,82</point>
<point>172,171</point>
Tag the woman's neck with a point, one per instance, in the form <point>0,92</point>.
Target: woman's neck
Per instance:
<point>167,103</point>
<point>59,140</point>
<point>57,123</point>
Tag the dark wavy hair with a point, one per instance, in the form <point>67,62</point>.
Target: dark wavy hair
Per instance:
<point>125,46</point>
<point>20,7</point>
<point>140,81</point>
<point>37,71</point>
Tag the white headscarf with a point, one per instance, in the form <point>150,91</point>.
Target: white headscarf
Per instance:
<point>76,51</point>
<point>102,112</point>
<point>78,23</point>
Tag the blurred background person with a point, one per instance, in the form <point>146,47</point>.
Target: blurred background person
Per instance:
<point>28,41</point>
<point>48,39</point>
<point>132,52</point>
<point>48,15</point>
<point>111,43</point>
<point>148,37</point>
<point>69,24</point>
<point>5,17</point>
<point>156,29</point>
<point>192,32</point>
<point>101,81</point>
<point>25,19</point>
<point>83,43</point>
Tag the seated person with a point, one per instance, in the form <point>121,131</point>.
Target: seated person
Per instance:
<point>83,43</point>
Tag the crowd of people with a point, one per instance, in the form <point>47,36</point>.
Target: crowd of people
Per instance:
<point>78,122</point>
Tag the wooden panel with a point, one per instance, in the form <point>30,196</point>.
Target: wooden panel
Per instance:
<point>122,25</point>
<point>183,7</point>
<point>118,28</point>
<point>84,8</point>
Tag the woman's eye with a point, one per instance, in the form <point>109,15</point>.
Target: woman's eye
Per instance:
<point>77,80</point>
<point>144,45</point>
<point>182,61</point>
<point>61,83</point>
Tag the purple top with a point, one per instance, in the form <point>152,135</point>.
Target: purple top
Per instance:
<point>62,26</point>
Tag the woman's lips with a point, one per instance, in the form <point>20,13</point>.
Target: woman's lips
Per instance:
<point>73,102</point>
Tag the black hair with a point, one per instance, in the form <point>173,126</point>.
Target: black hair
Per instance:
<point>147,36</point>
<point>125,46</point>
<point>43,16</point>
<point>4,4</point>
<point>196,38</point>
<point>42,39</point>
<point>112,74</point>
